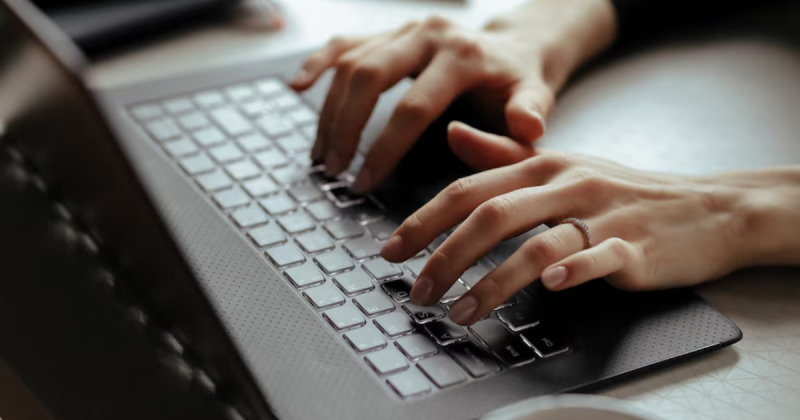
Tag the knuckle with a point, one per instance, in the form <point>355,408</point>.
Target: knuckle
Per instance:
<point>458,190</point>
<point>550,163</point>
<point>619,248</point>
<point>366,73</point>
<point>346,63</point>
<point>413,223</point>
<point>436,23</point>
<point>545,249</point>
<point>495,211</point>
<point>414,107</point>
<point>465,46</point>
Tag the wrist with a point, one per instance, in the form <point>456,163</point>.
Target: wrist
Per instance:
<point>568,32</point>
<point>767,217</point>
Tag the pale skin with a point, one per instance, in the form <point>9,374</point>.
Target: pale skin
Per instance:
<point>649,230</point>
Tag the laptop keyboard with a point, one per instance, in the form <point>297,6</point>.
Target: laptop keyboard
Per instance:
<point>246,146</point>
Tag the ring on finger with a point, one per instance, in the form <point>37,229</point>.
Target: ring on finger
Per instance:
<point>582,226</point>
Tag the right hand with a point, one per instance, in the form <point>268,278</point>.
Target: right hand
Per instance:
<point>511,71</point>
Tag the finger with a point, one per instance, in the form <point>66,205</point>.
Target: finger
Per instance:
<point>369,77</point>
<point>323,59</point>
<point>522,268</point>
<point>333,103</point>
<point>491,223</point>
<point>526,110</point>
<point>434,90</point>
<point>482,151</point>
<point>455,203</point>
<point>611,256</point>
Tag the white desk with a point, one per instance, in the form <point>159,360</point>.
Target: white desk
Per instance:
<point>724,97</point>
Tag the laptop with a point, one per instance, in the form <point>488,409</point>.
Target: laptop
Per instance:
<point>199,190</point>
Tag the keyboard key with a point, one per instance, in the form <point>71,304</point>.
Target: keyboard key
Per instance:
<point>519,317</point>
<point>387,361</point>
<point>251,215</point>
<point>288,175</point>
<point>304,276</point>
<point>410,383</point>
<point>456,291</point>
<point>209,137</point>
<point>334,262</point>
<point>416,346</point>
<point>214,181</point>
<point>243,170</point>
<point>473,359</point>
<point>475,273</point>
<point>437,242</point>
<point>269,87</point>
<point>260,187</point>
<point>326,182</point>
<point>193,121</point>
<point>267,235</point>
<point>178,106</point>
<point>278,204</point>
<point>395,324</point>
<point>231,121</point>
<point>344,197</point>
<point>303,115</point>
<point>306,193</point>
<point>365,212</point>
<point>362,248</point>
<point>324,296</point>
<point>424,314</point>
<point>163,130</point>
<point>286,101</point>
<point>296,223</point>
<point>415,266</point>
<point>230,198</point>
<point>354,282</point>
<point>546,341</point>
<point>443,371</point>
<point>285,255</point>
<point>382,270</point>
<point>198,164</point>
<point>399,290</point>
<point>274,126</point>
<point>510,349</point>
<point>365,339</point>
<point>309,131</point>
<point>294,143</point>
<point>314,242</point>
<point>382,230</point>
<point>446,332</point>
<point>209,99</point>
<point>146,112</point>
<point>257,107</point>
<point>240,93</point>
<point>344,229</point>
<point>323,210</point>
<point>344,318</point>
<point>373,303</point>
<point>508,302</point>
<point>181,147</point>
<point>226,153</point>
<point>271,158</point>
<point>253,142</point>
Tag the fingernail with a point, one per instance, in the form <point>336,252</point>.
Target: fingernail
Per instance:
<point>363,180</point>
<point>421,292</point>
<point>332,163</point>
<point>554,276</point>
<point>452,125</point>
<point>299,77</point>
<point>392,248</point>
<point>464,310</point>
<point>538,116</point>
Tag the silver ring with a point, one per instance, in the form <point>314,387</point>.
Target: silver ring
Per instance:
<point>580,224</point>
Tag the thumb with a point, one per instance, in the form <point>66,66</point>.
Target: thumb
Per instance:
<point>526,110</point>
<point>481,150</point>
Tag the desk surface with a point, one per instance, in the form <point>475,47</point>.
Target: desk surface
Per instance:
<point>735,101</point>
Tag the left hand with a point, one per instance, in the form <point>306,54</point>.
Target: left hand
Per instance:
<point>650,230</point>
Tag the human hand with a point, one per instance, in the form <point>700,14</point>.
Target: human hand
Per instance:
<point>650,230</point>
<point>511,71</point>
